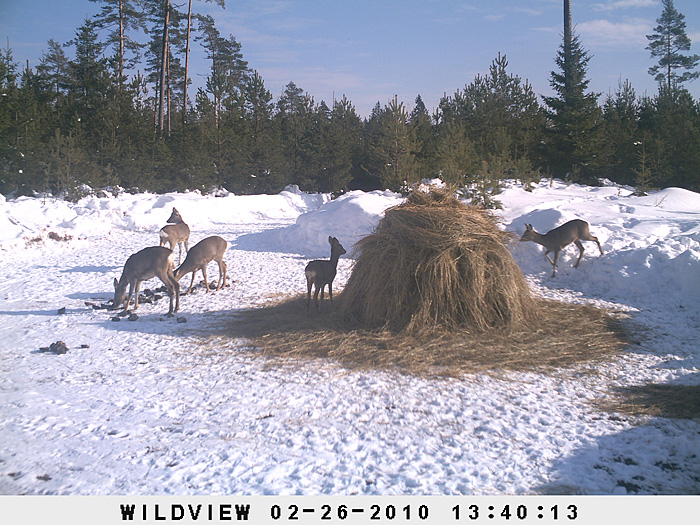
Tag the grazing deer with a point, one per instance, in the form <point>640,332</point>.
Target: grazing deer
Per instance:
<point>155,261</point>
<point>321,273</point>
<point>555,240</point>
<point>201,254</point>
<point>176,232</point>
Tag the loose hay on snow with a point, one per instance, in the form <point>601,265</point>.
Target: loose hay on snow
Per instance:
<point>433,261</point>
<point>434,290</point>
<point>572,335</point>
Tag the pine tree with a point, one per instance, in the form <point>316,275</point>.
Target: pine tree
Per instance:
<point>573,134</point>
<point>188,36</point>
<point>120,17</point>
<point>395,148</point>
<point>262,148</point>
<point>422,131</point>
<point>621,133</point>
<point>668,44</point>
<point>455,157</point>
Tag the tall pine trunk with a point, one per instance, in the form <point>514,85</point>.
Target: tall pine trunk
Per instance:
<point>121,41</point>
<point>567,44</point>
<point>163,68</point>
<point>187,62</point>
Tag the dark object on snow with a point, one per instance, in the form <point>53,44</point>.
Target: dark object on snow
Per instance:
<point>85,345</point>
<point>116,319</point>
<point>133,317</point>
<point>62,310</point>
<point>181,320</point>
<point>59,347</point>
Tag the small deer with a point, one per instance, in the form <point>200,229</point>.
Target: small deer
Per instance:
<point>555,240</point>
<point>155,261</point>
<point>176,232</point>
<point>201,254</point>
<point>320,273</point>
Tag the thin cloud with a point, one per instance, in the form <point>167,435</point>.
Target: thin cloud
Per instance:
<point>624,4</point>
<point>630,33</point>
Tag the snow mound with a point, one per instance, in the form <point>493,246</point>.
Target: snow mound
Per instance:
<point>349,218</point>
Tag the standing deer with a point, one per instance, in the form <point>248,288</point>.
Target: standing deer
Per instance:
<point>155,261</point>
<point>176,232</point>
<point>555,240</point>
<point>320,273</point>
<point>201,254</point>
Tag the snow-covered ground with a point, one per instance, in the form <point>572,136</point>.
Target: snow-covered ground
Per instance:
<point>157,406</point>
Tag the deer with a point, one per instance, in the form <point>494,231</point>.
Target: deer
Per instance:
<point>175,232</point>
<point>201,254</point>
<point>154,261</point>
<point>320,273</point>
<point>555,240</point>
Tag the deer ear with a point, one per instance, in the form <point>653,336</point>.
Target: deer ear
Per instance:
<point>116,283</point>
<point>330,239</point>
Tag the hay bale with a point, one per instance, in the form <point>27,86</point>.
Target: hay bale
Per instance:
<point>436,262</point>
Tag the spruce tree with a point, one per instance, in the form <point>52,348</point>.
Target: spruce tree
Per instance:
<point>573,133</point>
<point>668,44</point>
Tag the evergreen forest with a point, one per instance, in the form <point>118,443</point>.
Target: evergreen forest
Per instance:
<point>107,111</point>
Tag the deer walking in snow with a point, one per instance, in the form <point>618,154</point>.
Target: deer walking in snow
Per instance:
<point>155,261</point>
<point>320,273</point>
<point>176,232</point>
<point>201,254</point>
<point>555,240</point>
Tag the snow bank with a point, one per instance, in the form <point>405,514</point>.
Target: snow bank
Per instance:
<point>651,243</point>
<point>349,218</point>
<point>26,218</point>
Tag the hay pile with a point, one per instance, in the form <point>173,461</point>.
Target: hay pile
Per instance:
<point>435,262</point>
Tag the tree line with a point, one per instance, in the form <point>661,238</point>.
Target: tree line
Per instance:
<point>118,113</point>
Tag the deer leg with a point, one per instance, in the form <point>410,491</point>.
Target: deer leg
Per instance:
<point>595,239</point>
<point>316,297</point>
<point>206,280</point>
<point>330,292</point>
<point>176,290</point>
<point>128,297</point>
<point>579,245</point>
<point>554,262</point>
<point>308,294</point>
<point>191,283</point>
<point>546,254</point>
<point>222,275</point>
<point>136,296</point>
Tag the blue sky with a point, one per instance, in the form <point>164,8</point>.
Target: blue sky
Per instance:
<point>372,50</point>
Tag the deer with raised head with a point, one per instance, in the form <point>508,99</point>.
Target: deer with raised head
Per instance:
<point>555,240</point>
<point>155,261</point>
<point>199,256</point>
<point>175,232</point>
<point>320,273</point>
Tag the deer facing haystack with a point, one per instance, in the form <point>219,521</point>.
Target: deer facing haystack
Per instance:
<point>320,273</point>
